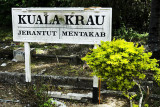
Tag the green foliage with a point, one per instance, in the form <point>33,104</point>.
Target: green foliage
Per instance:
<point>39,92</point>
<point>130,35</point>
<point>133,13</point>
<point>48,103</point>
<point>5,34</point>
<point>120,62</point>
<point>130,97</point>
<point>157,77</point>
<point>146,105</point>
<point>135,105</point>
<point>6,5</point>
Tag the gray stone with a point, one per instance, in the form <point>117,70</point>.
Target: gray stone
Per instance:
<point>18,55</point>
<point>58,103</point>
<point>14,60</point>
<point>3,64</point>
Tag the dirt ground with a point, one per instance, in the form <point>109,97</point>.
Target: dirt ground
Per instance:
<point>7,93</point>
<point>48,66</point>
<point>44,65</point>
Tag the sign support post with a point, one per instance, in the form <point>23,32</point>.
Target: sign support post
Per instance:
<point>95,89</point>
<point>95,86</point>
<point>27,62</point>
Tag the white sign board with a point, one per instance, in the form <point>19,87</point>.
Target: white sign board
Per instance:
<point>62,25</point>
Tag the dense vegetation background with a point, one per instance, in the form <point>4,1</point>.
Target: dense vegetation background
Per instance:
<point>126,13</point>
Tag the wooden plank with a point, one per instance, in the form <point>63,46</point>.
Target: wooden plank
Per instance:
<point>27,62</point>
<point>95,87</point>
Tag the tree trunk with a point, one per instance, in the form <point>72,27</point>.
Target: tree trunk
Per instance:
<point>154,29</point>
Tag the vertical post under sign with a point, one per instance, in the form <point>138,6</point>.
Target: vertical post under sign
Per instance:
<point>27,62</point>
<point>95,87</point>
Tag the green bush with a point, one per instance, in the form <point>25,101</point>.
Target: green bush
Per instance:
<point>120,62</point>
<point>122,65</point>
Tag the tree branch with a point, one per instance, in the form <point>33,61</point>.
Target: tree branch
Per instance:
<point>140,89</point>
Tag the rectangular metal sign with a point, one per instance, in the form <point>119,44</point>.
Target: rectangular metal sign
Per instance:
<point>62,25</point>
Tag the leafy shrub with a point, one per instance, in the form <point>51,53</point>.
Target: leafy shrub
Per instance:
<point>122,64</point>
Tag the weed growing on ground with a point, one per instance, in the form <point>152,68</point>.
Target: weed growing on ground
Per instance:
<point>35,95</point>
